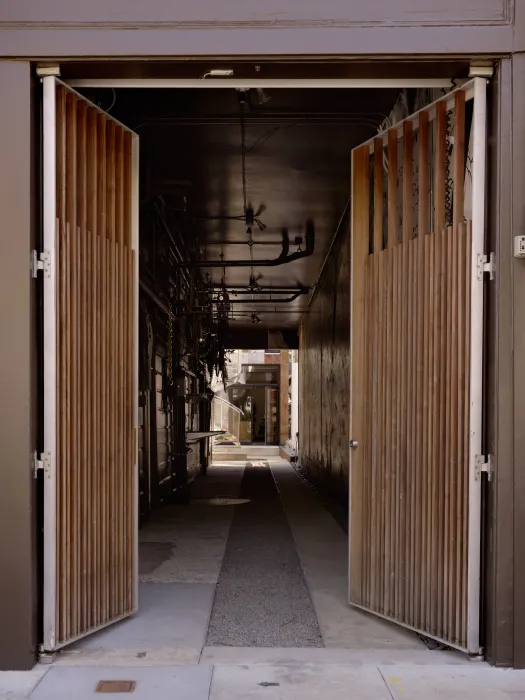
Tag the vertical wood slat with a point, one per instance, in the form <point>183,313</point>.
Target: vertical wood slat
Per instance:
<point>440,175</point>
<point>72,538</point>
<point>406,369</point>
<point>93,368</point>
<point>121,367</point>
<point>378,261</point>
<point>424,296</point>
<point>396,394</point>
<point>447,432</point>
<point>105,428</point>
<point>95,375</point>
<point>422,426</point>
<point>466,414</point>
<point>129,344</point>
<point>366,418</point>
<point>427,454</point>
<point>412,476</point>
<point>112,568</point>
<point>388,435</point>
<point>423,175</point>
<point>378,195</point>
<point>375,507</point>
<point>83,455</point>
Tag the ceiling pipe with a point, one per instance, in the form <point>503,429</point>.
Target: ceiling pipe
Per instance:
<point>259,301</point>
<point>284,257</point>
<point>260,291</point>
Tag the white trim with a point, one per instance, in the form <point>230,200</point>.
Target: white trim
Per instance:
<point>50,360</point>
<point>350,370</point>
<point>247,83</point>
<point>135,203</point>
<point>476,360</point>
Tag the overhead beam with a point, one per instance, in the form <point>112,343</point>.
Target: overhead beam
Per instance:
<point>248,83</point>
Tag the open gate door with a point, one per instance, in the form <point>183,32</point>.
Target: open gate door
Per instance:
<point>418,206</point>
<point>90,269</point>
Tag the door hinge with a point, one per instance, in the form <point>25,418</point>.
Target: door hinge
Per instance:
<point>484,465</point>
<point>41,262</point>
<point>42,462</point>
<point>486,265</point>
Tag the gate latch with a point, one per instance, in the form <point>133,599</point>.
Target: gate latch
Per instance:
<point>42,462</point>
<point>486,264</point>
<point>484,464</point>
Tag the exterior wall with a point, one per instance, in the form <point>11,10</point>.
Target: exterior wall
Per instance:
<point>324,376</point>
<point>18,375</point>
<point>513,304</point>
<point>498,579</point>
<point>504,554</point>
<point>399,28</point>
<point>234,27</point>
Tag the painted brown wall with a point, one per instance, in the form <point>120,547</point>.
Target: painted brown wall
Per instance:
<point>18,371</point>
<point>324,376</point>
<point>514,305</point>
<point>504,553</point>
<point>498,578</point>
<point>239,28</point>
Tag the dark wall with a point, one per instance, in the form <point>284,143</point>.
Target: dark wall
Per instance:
<point>503,550</point>
<point>513,306</point>
<point>499,507</point>
<point>241,28</point>
<point>18,375</point>
<point>324,345</point>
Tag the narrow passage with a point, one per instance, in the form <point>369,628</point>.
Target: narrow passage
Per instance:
<point>262,599</point>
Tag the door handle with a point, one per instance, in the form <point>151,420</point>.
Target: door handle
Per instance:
<point>354,444</point>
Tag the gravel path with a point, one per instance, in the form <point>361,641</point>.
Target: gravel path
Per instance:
<point>261,598</point>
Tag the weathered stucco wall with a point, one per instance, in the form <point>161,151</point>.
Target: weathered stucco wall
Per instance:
<point>324,376</point>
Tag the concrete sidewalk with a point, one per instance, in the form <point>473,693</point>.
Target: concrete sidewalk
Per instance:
<point>164,652</point>
<point>263,681</point>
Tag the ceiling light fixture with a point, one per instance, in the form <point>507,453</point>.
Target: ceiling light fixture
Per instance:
<point>219,73</point>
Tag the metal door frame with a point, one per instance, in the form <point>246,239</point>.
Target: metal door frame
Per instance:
<point>48,457</point>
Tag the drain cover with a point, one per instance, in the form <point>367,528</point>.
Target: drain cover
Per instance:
<point>222,501</point>
<point>116,687</point>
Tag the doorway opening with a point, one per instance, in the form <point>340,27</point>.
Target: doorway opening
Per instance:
<point>242,194</point>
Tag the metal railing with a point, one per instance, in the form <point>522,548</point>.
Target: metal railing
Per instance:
<point>226,416</point>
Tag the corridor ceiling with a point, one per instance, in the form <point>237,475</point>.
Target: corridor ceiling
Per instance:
<point>297,156</point>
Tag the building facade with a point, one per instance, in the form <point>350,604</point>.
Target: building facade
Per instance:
<point>408,38</point>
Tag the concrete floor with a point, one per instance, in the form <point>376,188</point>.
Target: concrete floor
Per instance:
<point>163,649</point>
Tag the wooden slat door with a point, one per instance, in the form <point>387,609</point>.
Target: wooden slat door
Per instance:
<point>90,225</point>
<point>416,369</point>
